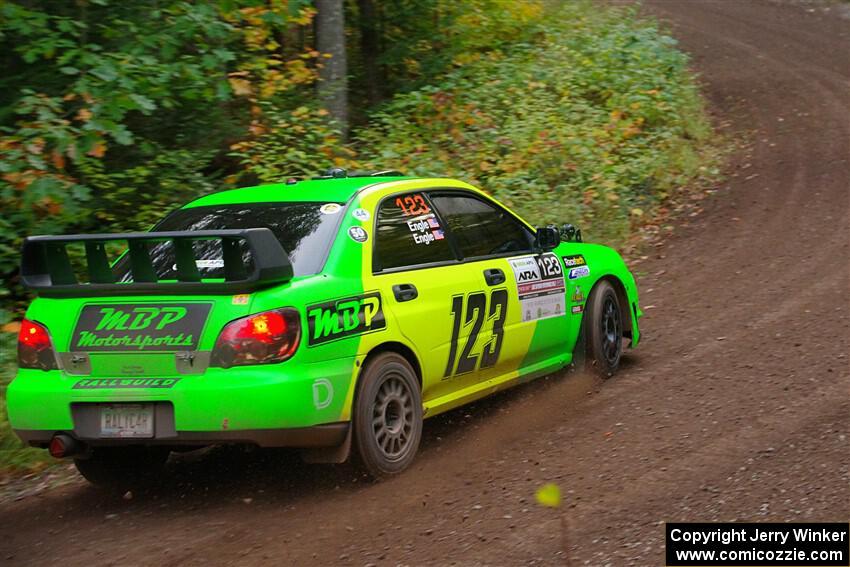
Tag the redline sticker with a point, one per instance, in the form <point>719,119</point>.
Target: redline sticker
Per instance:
<point>576,309</point>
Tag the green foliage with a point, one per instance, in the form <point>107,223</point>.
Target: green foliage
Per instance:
<point>594,121</point>
<point>291,143</point>
<point>115,112</point>
<point>15,456</point>
<point>422,39</point>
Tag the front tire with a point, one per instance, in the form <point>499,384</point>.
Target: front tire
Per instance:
<point>387,416</point>
<point>603,320</point>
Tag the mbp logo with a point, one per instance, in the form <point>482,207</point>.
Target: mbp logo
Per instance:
<point>342,318</point>
<point>139,327</point>
<point>138,318</point>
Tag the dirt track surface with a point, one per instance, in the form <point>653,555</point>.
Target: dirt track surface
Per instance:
<point>736,407</point>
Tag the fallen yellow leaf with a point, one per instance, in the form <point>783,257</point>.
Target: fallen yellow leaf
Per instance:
<point>549,495</point>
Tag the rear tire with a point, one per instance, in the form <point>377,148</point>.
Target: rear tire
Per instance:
<point>387,416</point>
<point>124,468</point>
<point>603,330</point>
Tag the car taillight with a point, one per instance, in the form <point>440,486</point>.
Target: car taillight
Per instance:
<point>264,338</point>
<point>35,349</point>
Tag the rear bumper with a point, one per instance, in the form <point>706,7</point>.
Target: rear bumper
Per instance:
<point>273,406</point>
<point>327,435</point>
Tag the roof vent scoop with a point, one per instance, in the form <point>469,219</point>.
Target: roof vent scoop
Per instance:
<point>340,173</point>
<point>333,173</point>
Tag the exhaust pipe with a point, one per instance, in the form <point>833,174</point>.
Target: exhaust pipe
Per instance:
<point>62,446</point>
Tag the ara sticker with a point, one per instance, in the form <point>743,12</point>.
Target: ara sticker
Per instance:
<point>330,208</point>
<point>241,299</point>
<point>358,234</point>
<point>576,309</point>
<point>579,272</point>
<point>361,214</point>
<point>573,261</point>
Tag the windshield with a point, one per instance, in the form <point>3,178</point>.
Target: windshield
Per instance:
<point>305,230</point>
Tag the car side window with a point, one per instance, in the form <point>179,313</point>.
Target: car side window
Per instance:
<point>480,228</point>
<point>408,234</point>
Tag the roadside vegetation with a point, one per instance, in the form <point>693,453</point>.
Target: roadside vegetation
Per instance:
<point>113,113</point>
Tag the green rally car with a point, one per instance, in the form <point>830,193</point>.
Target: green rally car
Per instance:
<point>331,315</point>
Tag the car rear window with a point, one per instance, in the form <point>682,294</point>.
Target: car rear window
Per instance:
<point>305,230</point>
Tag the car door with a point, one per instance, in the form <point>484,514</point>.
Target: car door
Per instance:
<point>417,271</point>
<point>497,248</point>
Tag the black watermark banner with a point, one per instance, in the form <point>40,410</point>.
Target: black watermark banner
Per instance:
<point>758,544</point>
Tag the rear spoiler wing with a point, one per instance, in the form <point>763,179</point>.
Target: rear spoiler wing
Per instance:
<point>47,269</point>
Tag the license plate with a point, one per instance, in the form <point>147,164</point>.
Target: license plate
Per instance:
<point>126,420</point>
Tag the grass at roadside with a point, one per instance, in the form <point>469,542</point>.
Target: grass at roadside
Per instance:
<point>15,457</point>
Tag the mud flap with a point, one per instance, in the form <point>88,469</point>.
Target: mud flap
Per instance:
<point>580,348</point>
<point>338,454</point>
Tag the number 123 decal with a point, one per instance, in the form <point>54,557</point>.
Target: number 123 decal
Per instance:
<point>474,313</point>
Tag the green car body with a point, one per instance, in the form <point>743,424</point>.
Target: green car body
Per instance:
<point>466,332</point>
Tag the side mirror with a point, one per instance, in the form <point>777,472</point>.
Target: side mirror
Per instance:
<point>547,238</point>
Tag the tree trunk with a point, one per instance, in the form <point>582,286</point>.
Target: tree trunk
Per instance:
<point>369,50</point>
<point>333,79</point>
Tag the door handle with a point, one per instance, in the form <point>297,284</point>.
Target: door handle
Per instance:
<point>405,292</point>
<point>494,276</point>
